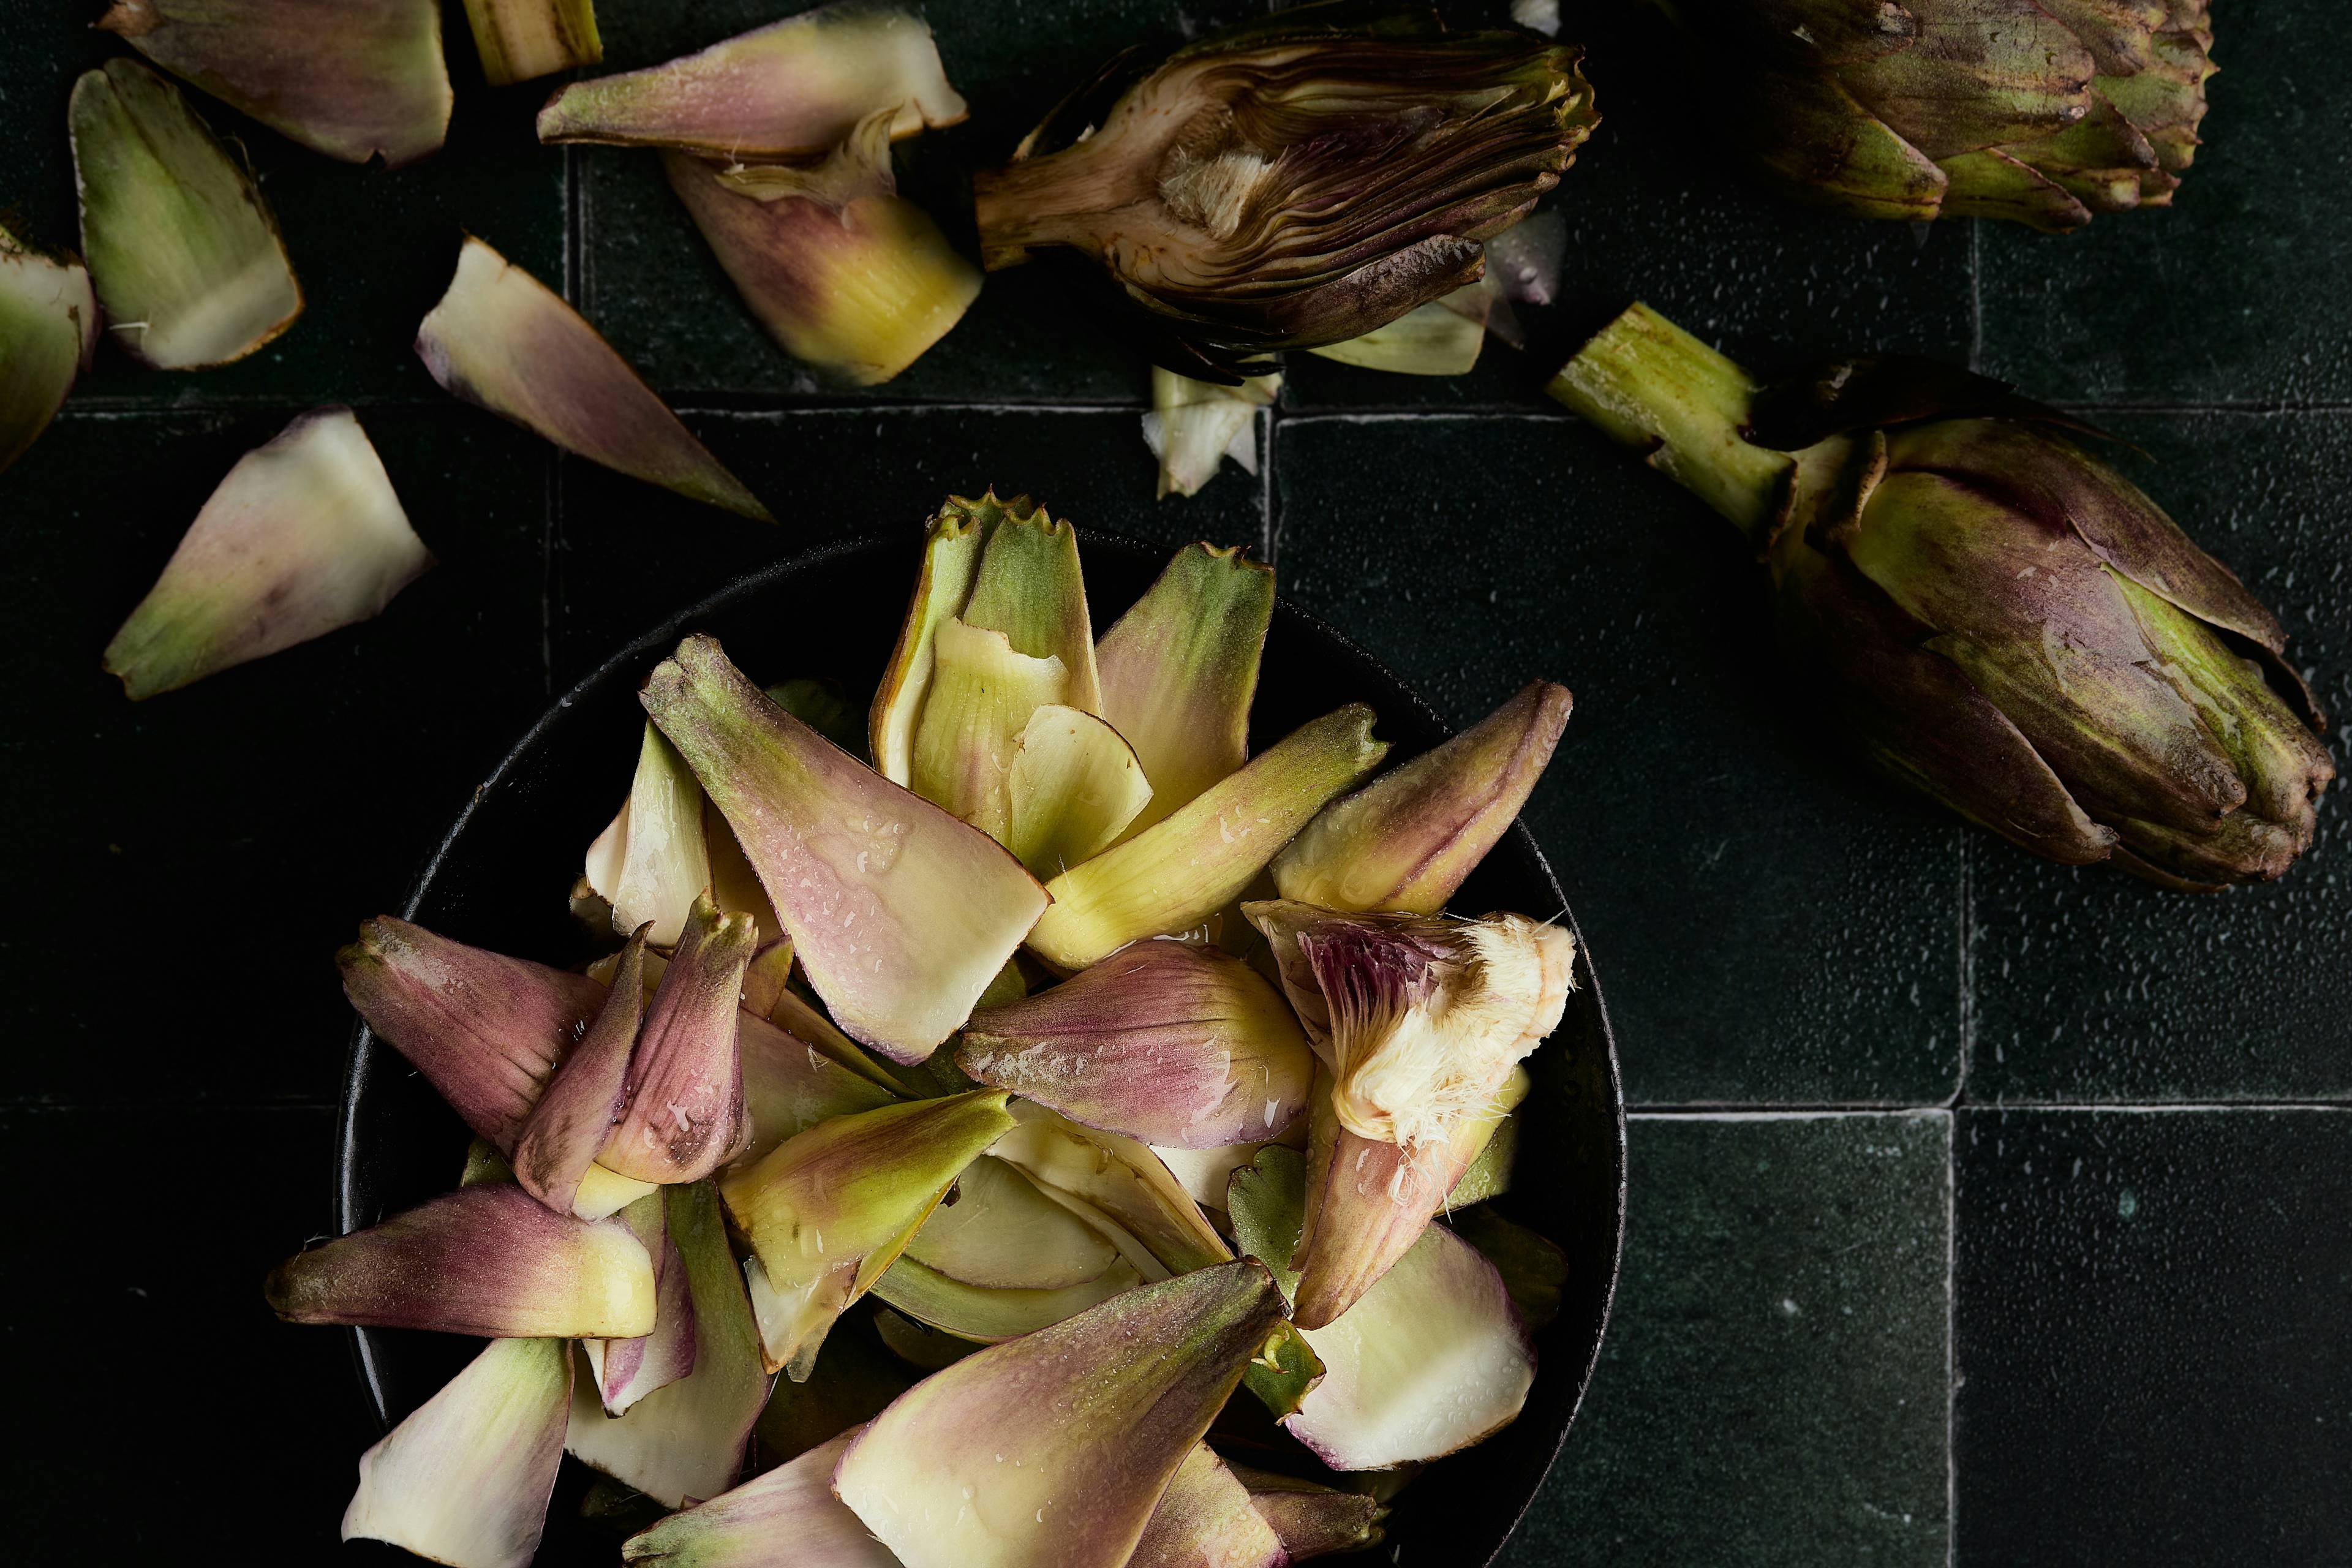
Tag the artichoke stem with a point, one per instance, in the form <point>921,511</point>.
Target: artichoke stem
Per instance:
<point>1649,384</point>
<point>1037,203</point>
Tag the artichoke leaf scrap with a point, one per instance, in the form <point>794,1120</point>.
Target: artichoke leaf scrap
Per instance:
<point>48,330</point>
<point>504,341</point>
<point>303,537</point>
<point>355,80</point>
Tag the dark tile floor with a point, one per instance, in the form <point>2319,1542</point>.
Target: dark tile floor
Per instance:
<point>1982,1212</point>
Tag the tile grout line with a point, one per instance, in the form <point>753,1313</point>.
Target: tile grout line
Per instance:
<point>1975,293</point>
<point>1265,483</point>
<point>1952,1344</point>
<point>1967,959</point>
<point>781,407</point>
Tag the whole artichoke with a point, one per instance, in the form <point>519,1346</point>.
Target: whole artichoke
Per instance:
<point>1993,615</point>
<point>1293,182</point>
<point>2044,111</point>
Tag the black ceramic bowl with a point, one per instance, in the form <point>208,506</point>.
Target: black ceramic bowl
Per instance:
<point>499,881</point>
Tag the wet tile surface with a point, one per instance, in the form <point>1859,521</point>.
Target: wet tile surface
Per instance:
<point>2153,1316</point>
<point>250,1432</point>
<point>1770,926</point>
<point>2092,987</point>
<point>2151,1307</point>
<point>2234,295</point>
<point>1772,1388</point>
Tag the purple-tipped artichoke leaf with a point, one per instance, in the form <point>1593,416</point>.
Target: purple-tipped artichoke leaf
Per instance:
<point>1206,1519</point>
<point>1166,1042</point>
<point>899,914</point>
<point>587,1094</point>
<point>303,537</point>
<point>1059,1444</point>
<point>1191,865</point>
<point>49,328</point>
<point>686,1440</point>
<point>628,1370</point>
<point>1848,395</point>
<point>685,1111</point>
<point>354,81</point>
<point>503,340</point>
<point>787,1514</point>
<point>1312,1519</point>
<point>1406,841</point>
<point>791,89</point>
<point>486,1030</point>
<point>465,1477</point>
<point>488,1260</point>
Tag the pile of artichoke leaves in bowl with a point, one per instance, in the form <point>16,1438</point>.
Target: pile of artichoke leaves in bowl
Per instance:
<point>957,1136</point>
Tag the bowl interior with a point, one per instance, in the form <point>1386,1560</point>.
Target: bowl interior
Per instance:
<point>499,877</point>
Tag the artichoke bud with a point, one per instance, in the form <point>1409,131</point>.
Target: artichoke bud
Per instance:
<point>2045,113</point>
<point>1293,182</point>
<point>1998,618</point>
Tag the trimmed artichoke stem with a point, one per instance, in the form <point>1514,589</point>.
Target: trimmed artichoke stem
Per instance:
<point>1039,203</point>
<point>1649,384</point>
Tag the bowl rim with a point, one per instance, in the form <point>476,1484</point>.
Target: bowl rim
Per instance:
<point>360,1052</point>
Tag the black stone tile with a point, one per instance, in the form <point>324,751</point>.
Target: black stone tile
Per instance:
<point>632,555</point>
<point>653,288</point>
<point>177,1418</point>
<point>1659,209</point>
<point>1772,1388</point>
<point>373,247</point>
<point>2153,1316</point>
<point>2234,295</point>
<point>2090,987</point>
<point>220,842</point>
<point>1771,925</point>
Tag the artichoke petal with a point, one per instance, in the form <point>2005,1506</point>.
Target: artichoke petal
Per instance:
<point>1978,74</point>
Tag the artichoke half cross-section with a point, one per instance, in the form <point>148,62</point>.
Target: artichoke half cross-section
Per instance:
<point>1990,614</point>
<point>1292,181</point>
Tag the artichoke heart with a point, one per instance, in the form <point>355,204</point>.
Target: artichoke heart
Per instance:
<point>1295,181</point>
<point>1419,1019</point>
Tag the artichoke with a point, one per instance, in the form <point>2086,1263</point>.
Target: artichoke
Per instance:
<point>1995,616</point>
<point>2044,111</point>
<point>1293,182</point>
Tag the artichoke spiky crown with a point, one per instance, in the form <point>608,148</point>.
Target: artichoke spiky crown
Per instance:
<point>2043,112</point>
<point>1294,182</point>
